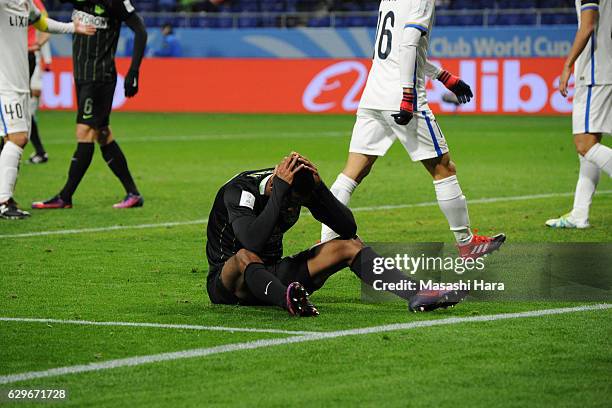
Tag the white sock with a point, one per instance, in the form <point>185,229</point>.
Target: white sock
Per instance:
<point>34,101</point>
<point>342,189</point>
<point>585,188</point>
<point>9,164</point>
<point>453,204</point>
<point>601,156</point>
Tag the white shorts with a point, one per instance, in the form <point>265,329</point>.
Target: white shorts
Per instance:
<point>14,113</point>
<point>592,112</point>
<point>375,131</point>
<point>36,80</point>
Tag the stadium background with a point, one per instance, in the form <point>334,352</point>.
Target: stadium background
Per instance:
<point>313,56</point>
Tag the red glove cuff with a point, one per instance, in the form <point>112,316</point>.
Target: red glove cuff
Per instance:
<point>407,102</point>
<point>448,79</point>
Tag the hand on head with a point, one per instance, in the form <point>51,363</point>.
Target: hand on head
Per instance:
<point>288,167</point>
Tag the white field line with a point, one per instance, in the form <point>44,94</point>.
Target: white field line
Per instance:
<point>212,136</point>
<point>201,352</point>
<point>357,209</point>
<point>104,229</point>
<point>155,325</point>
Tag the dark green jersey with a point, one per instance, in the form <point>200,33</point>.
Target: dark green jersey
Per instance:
<point>94,56</point>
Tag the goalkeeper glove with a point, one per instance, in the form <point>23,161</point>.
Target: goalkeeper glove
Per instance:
<point>457,86</point>
<point>131,83</point>
<point>406,109</point>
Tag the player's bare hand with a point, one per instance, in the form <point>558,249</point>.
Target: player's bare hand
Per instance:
<point>80,28</point>
<point>287,168</point>
<point>564,80</point>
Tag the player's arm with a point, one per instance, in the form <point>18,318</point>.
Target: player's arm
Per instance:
<point>46,24</point>
<point>407,61</point>
<point>589,14</point>
<point>126,12</point>
<point>452,82</point>
<point>415,26</point>
<point>253,231</point>
<point>326,208</point>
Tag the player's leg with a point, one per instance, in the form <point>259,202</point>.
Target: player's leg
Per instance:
<point>14,127</point>
<point>425,142</point>
<point>371,139</point>
<point>86,135</point>
<point>112,153</point>
<point>326,259</point>
<point>40,155</point>
<point>588,178</point>
<point>9,169</point>
<point>592,110</point>
<point>449,195</point>
<point>116,161</point>
<point>245,276</point>
<point>598,120</point>
<point>81,159</point>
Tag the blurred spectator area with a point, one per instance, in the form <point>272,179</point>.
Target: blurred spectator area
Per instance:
<point>336,13</point>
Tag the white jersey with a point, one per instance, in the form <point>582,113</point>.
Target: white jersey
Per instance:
<point>15,16</point>
<point>383,89</point>
<point>594,65</point>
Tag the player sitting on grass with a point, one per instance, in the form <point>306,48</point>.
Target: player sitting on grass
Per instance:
<point>244,245</point>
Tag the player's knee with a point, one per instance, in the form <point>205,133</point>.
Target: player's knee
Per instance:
<point>349,249</point>
<point>440,167</point>
<point>20,139</point>
<point>104,136</point>
<point>583,145</point>
<point>246,257</point>
<point>85,134</point>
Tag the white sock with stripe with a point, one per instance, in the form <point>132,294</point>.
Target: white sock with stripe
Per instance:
<point>342,189</point>
<point>9,165</point>
<point>601,156</point>
<point>585,188</point>
<point>453,204</point>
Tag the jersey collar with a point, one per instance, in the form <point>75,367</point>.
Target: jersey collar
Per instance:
<point>262,185</point>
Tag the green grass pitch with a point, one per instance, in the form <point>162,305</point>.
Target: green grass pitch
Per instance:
<point>156,274</point>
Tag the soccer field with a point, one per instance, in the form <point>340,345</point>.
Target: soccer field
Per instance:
<point>96,264</point>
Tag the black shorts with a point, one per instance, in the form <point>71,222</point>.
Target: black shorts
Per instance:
<point>95,101</point>
<point>289,269</point>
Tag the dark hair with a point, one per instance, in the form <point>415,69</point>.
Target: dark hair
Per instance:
<point>303,183</point>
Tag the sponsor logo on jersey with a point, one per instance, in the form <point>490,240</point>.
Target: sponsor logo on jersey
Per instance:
<point>18,21</point>
<point>97,21</point>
